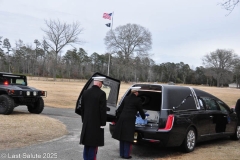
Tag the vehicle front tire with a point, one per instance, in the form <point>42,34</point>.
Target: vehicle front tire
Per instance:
<point>6,104</point>
<point>236,135</point>
<point>189,142</point>
<point>37,107</point>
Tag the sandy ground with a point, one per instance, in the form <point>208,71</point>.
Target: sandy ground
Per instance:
<point>64,93</point>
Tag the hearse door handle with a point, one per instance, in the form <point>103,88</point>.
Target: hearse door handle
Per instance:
<point>211,116</point>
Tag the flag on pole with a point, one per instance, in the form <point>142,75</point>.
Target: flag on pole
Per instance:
<point>108,24</point>
<point>107,15</point>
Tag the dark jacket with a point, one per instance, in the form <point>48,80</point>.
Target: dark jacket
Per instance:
<point>93,112</point>
<point>237,109</point>
<point>125,126</point>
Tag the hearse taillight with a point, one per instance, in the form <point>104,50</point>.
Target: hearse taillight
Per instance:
<point>169,123</point>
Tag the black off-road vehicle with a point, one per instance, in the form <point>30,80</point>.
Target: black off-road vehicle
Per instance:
<point>14,92</point>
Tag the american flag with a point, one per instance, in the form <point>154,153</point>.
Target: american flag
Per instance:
<point>107,15</point>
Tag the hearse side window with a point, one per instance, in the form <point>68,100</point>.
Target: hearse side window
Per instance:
<point>223,107</point>
<point>106,89</point>
<point>111,88</point>
<point>210,104</point>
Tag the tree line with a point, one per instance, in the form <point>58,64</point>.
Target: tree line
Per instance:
<point>127,58</point>
<point>77,64</point>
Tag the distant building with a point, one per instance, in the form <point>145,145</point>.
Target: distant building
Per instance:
<point>232,85</point>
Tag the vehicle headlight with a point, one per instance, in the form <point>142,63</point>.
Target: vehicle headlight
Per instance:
<point>28,93</point>
<point>34,93</point>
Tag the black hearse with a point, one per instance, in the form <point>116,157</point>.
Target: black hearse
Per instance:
<point>178,115</point>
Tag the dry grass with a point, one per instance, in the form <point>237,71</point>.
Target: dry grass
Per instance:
<point>60,94</point>
<point>21,129</point>
<point>64,93</point>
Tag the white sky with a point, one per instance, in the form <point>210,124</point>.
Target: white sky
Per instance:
<point>182,30</point>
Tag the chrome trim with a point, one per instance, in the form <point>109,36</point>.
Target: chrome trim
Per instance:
<point>145,139</point>
<point>195,98</point>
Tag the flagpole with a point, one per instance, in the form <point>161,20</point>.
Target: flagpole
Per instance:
<point>112,20</point>
<point>109,53</point>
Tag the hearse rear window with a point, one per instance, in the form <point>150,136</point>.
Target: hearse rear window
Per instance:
<point>151,100</point>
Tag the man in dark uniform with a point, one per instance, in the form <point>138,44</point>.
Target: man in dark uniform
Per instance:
<point>125,126</point>
<point>93,112</point>
<point>237,110</point>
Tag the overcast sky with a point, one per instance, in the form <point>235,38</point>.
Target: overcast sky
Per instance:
<point>182,30</point>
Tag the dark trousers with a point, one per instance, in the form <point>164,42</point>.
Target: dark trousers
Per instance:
<point>90,153</point>
<point>125,148</point>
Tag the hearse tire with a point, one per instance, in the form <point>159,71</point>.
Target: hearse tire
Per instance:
<point>37,107</point>
<point>189,142</point>
<point>6,104</point>
<point>236,135</point>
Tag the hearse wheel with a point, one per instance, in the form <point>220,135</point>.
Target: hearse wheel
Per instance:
<point>189,142</point>
<point>37,107</point>
<point>6,104</point>
<point>236,135</point>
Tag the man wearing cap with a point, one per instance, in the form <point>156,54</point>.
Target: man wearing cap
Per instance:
<point>125,126</point>
<point>93,112</point>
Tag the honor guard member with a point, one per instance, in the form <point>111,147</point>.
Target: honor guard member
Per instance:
<point>237,110</point>
<point>94,116</point>
<point>125,126</point>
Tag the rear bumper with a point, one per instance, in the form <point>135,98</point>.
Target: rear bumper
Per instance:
<point>150,135</point>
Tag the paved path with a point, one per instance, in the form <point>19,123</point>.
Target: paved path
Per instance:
<point>68,148</point>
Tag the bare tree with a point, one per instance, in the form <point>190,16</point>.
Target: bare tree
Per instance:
<point>58,35</point>
<point>236,72</point>
<point>131,40</point>
<point>229,5</point>
<point>220,61</point>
